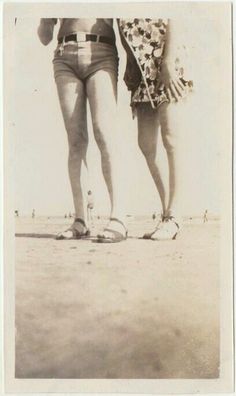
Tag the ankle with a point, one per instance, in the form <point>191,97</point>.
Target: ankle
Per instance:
<point>79,222</point>
<point>172,213</point>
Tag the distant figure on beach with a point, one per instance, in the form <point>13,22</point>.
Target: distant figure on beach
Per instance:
<point>65,216</point>
<point>205,218</point>
<point>16,213</point>
<point>70,215</point>
<point>33,214</point>
<point>90,205</point>
<point>154,216</point>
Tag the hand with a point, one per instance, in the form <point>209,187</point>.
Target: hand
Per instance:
<point>175,89</point>
<point>132,75</point>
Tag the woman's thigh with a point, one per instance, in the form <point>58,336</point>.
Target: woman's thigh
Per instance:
<point>148,127</point>
<point>72,97</point>
<point>171,116</point>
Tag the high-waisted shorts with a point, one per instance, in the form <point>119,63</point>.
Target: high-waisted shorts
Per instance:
<point>83,59</point>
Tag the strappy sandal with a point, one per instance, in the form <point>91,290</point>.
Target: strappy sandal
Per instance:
<point>116,235</point>
<point>165,231</point>
<point>73,233</point>
<point>148,235</point>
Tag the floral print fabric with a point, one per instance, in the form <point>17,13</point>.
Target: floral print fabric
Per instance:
<point>146,38</point>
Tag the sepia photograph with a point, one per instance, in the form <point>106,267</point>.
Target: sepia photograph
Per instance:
<point>118,197</point>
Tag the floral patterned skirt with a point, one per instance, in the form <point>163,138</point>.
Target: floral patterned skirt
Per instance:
<point>146,39</point>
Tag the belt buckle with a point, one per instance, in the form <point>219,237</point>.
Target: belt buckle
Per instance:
<point>80,37</point>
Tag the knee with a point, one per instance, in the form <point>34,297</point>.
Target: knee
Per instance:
<point>103,138</point>
<point>78,147</point>
<point>169,127</point>
<point>169,142</point>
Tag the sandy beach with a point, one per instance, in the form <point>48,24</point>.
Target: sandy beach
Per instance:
<point>137,309</point>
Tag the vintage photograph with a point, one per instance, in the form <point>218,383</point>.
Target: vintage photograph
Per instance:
<point>118,145</point>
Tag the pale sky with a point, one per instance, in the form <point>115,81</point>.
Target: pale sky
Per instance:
<point>40,151</point>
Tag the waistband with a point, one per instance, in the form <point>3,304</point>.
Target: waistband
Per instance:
<point>80,37</point>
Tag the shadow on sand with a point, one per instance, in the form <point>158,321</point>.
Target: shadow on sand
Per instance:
<point>33,235</point>
<point>53,236</point>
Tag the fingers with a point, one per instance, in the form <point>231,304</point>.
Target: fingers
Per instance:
<point>175,90</point>
<point>180,84</point>
<point>182,88</point>
<point>171,93</point>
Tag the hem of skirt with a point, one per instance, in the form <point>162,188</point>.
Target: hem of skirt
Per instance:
<point>134,105</point>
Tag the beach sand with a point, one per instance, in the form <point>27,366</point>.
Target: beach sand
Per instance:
<point>136,309</point>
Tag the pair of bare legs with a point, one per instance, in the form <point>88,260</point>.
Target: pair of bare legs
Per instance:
<point>100,90</point>
<point>151,123</point>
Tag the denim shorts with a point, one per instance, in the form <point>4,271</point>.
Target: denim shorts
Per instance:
<point>83,59</point>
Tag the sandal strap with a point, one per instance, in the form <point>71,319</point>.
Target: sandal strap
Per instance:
<point>116,235</point>
<point>115,232</point>
<point>74,234</point>
<point>77,233</point>
<point>172,218</point>
<point>79,220</point>
<point>118,221</point>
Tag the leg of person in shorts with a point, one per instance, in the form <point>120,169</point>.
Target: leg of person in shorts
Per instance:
<point>88,71</point>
